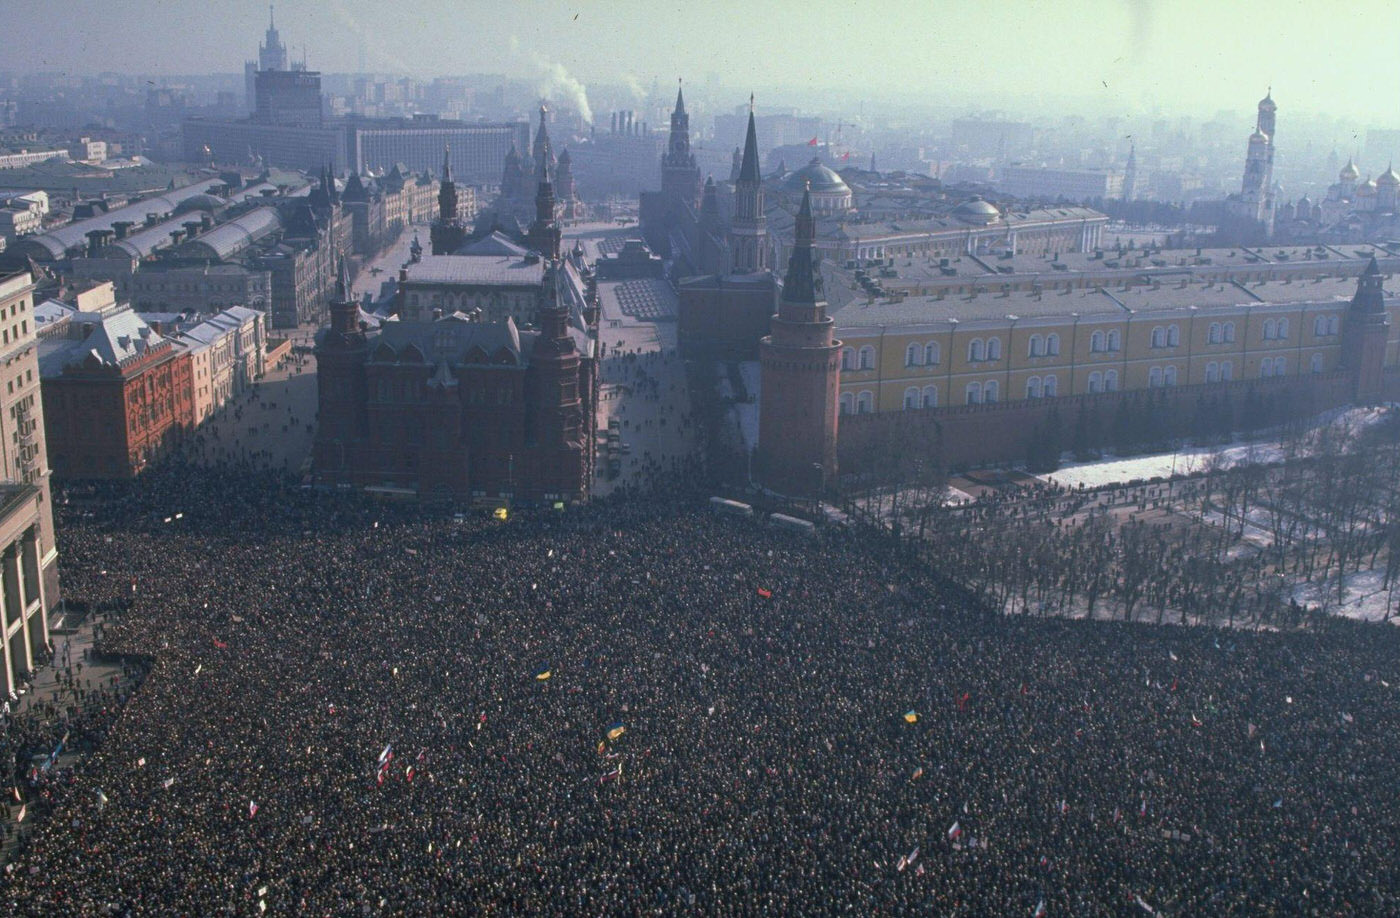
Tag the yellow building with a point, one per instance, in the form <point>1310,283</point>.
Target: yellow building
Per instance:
<point>946,348</point>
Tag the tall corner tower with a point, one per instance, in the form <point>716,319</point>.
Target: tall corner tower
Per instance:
<point>1365,335</point>
<point>800,375</point>
<point>748,231</point>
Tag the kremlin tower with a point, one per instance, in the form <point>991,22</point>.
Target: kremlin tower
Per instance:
<point>800,378</point>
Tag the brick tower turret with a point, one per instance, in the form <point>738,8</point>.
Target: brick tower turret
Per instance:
<point>1364,337</point>
<point>800,374</point>
<point>340,387</point>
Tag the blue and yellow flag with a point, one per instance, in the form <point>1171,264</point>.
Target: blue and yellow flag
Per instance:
<point>544,674</point>
<point>616,730</point>
<point>911,716</point>
<point>501,513</point>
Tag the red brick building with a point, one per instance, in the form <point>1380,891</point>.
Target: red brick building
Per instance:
<point>117,395</point>
<point>444,407</point>
<point>801,373</point>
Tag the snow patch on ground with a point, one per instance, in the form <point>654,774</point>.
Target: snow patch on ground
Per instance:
<point>1101,473</point>
<point>1365,597</point>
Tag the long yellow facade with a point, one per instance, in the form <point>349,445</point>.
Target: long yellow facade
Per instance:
<point>952,362</point>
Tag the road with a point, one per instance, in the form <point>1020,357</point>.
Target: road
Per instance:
<point>642,386</point>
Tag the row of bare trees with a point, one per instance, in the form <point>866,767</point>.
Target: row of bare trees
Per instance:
<point>1226,546</point>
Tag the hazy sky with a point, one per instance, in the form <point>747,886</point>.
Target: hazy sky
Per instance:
<point>1178,56</point>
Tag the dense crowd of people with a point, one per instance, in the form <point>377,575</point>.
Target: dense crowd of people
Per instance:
<point>645,708</point>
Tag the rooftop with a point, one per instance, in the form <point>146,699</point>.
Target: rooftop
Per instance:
<point>485,270</point>
<point>853,309</point>
<point>1164,264</point>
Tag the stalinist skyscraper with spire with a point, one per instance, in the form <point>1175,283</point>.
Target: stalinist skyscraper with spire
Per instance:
<point>272,55</point>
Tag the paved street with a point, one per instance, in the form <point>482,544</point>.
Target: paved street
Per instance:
<point>270,425</point>
<point>642,387</point>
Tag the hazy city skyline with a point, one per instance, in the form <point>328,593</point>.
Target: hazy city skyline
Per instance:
<point>1168,57</point>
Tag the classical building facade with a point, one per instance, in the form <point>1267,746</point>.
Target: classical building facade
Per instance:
<point>952,350</point>
<point>27,542</point>
<point>28,582</point>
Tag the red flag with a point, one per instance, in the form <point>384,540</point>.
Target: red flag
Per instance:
<point>846,155</point>
<point>962,701</point>
<point>812,142</point>
<point>766,594</point>
<point>220,644</point>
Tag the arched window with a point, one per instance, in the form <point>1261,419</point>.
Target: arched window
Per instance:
<point>848,359</point>
<point>1173,335</point>
<point>974,393</point>
<point>1213,336</point>
<point>1283,328</point>
<point>1270,329</point>
<point>1333,323</point>
<point>974,350</point>
<point>931,353</point>
<point>1266,368</point>
<point>1033,387</point>
<point>1050,388</point>
<point>1096,342</point>
<point>1227,371</point>
<point>848,403</point>
<point>865,402</point>
<point>1228,330</point>
<point>1154,377</point>
<point>1212,372</point>
<point>1280,366</point>
<point>1159,337</point>
<point>993,348</point>
<point>930,396</point>
<point>1036,347</point>
<point>1169,376</point>
<point>911,398</point>
<point>1096,381</point>
<point>1115,339</point>
<point>1110,381</point>
<point>989,391</point>
<point>912,355</point>
<point>867,357</point>
<point>1316,363</point>
<point>1052,345</point>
